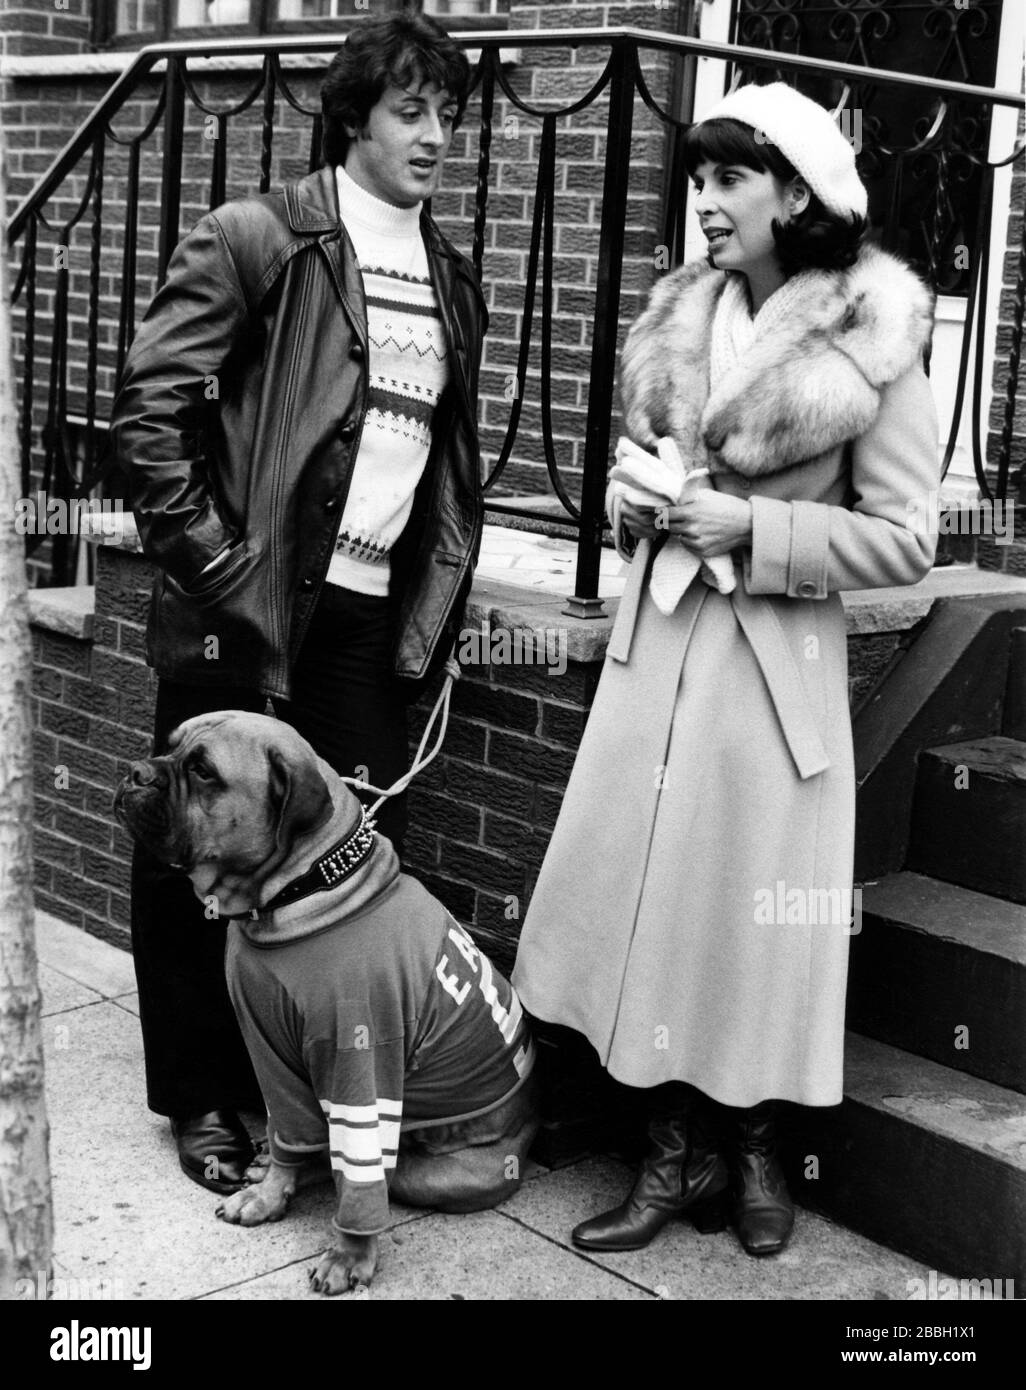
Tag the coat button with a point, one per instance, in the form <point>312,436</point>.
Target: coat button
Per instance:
<point>744,484</point>
<point>806,589</point>
<point>356,352</point>
<point>306,583</point>
<point>331,505</point>
<point>348,432</point>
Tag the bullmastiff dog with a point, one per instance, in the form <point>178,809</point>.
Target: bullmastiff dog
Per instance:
<point>385,1042</point>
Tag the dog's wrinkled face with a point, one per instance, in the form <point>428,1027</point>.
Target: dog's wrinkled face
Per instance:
<point>226,802</point>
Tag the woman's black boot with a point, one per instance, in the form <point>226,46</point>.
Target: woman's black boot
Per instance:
<point>682,1172</point>
<point>762,1207</point>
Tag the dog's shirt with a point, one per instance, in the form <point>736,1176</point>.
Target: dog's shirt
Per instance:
<point>368,1010</point>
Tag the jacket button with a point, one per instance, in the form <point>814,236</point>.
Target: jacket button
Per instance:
<point>306,583</point>
<point>745,484</point>
<point>331,505</point>
<point>348,432</point>
<point>806,589</point>
<point>356,352</point>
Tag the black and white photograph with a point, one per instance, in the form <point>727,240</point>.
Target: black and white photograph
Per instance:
<point>513,666</point>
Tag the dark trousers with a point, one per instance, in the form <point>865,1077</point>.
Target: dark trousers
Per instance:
<point>345,703</point>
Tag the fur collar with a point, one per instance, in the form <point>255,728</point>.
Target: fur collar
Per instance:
<point>807,384</point>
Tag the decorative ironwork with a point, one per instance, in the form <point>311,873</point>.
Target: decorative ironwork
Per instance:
<point>924,142</point>
<point>923,205</point>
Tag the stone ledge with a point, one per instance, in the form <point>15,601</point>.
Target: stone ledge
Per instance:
<point>897,610</point>
<point>495,605</point>
<point>72,65</point>
<point>498,603</point>
<point>65,65</point>
<point>68,611</point>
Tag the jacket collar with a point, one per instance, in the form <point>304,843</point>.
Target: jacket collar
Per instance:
<point>312,209</point>
<point>311,205</point>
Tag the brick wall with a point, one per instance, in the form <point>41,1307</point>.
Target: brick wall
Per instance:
<point>44,26</point>
<point>93,699</point>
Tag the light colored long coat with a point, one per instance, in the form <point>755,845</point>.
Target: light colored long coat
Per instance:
<point>692,914</point>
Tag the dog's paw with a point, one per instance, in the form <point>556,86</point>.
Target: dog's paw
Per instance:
<point>347,1265</point>
<point>252,1206</point>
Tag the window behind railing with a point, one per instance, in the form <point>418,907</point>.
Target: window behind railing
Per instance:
<point>188,13</point>
<point>136,16</point>
<point>129,23</point>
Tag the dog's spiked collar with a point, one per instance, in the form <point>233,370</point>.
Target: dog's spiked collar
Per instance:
<point>333,868</point>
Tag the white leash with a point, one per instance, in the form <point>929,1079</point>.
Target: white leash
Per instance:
<point>420,762</point>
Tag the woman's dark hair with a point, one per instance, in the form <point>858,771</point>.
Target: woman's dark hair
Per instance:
<point>814,238</point>
<point>406,49</point>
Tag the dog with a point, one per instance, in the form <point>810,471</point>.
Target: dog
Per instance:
<point>380,1034</point>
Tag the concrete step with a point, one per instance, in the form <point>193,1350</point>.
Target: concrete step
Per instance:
<point>951,685</point>
<point>969,816</point>
<point>925,1159</point>
<point>940,970</point>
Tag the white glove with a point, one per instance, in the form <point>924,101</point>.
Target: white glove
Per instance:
<point>660,480</point>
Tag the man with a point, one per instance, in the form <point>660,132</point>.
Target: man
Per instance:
<point>298,425</point>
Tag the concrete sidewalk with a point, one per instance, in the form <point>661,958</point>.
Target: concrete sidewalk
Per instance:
<point>129,1224</point>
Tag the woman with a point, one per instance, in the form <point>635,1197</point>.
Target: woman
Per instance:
<point>712,802</point>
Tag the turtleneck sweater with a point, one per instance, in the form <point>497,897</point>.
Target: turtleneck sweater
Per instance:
<point>407,370</point>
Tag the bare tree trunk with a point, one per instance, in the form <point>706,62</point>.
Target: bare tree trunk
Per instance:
<point>26,1219</point>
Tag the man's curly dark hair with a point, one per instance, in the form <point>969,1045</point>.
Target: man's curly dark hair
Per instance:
<point>405,49</point>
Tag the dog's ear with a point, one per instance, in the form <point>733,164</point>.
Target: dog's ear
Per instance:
<point>298,795</point>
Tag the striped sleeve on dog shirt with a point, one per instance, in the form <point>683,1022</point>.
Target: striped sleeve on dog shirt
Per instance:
<point>364,1139</point>
<point>392,1020</point>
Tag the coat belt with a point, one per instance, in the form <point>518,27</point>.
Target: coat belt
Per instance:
<point>766,637</point>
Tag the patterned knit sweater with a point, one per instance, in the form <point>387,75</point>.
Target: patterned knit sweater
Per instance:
<point>408,372</point>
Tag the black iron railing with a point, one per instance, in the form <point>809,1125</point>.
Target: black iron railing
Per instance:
<point>69,204</point>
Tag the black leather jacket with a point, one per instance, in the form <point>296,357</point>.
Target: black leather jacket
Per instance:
<point>238,422</point>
